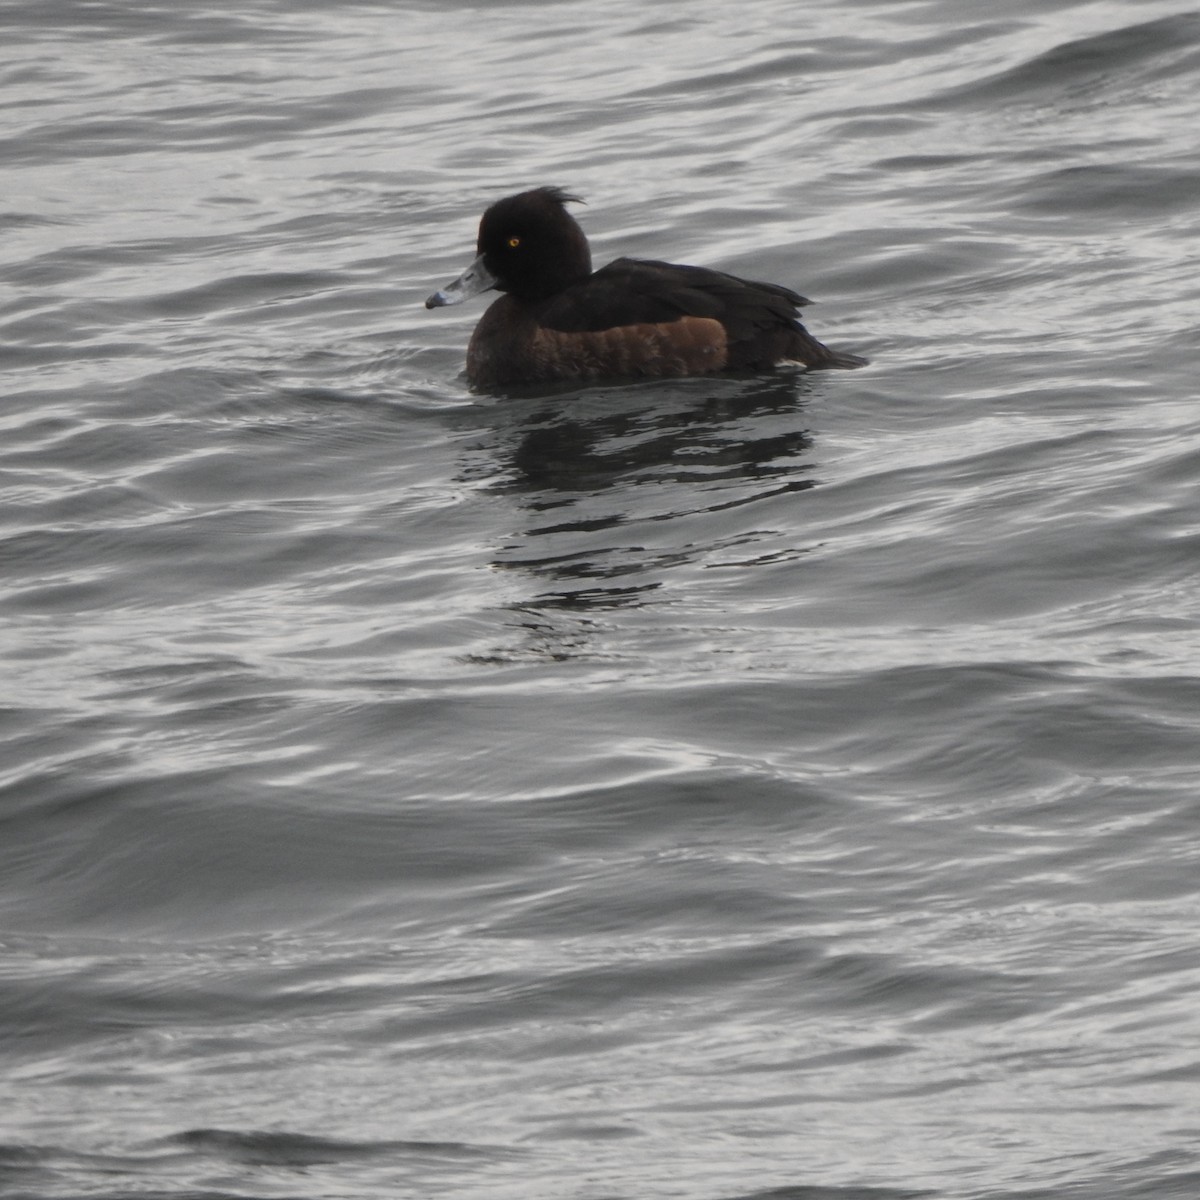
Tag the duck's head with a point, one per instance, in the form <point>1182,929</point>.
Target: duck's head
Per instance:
<point>528,246</point>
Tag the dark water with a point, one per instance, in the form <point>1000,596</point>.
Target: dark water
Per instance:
<point>770,788</point>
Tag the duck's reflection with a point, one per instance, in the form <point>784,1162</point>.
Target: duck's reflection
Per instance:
<point>687,431</point>
<point>627,487</point>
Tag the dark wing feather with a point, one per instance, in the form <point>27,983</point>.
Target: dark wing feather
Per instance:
<point>640,291</point>
<point>762,326</point>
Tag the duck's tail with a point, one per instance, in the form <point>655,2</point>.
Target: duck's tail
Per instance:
<point>816,356</point>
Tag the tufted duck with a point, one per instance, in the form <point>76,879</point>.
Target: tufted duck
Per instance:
<point>561,321</point>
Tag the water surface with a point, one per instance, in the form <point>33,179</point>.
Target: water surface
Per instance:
<point>756,788</point>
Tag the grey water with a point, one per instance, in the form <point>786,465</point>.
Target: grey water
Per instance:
<point>747,788</point>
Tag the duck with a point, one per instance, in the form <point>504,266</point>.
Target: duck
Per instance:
<point>557,320</point>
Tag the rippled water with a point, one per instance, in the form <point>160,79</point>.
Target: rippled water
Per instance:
<point>766,788</point>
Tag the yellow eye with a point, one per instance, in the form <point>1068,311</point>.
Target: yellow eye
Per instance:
<point>513,242</point>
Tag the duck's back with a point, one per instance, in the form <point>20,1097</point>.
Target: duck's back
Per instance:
<point>641,317</point>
